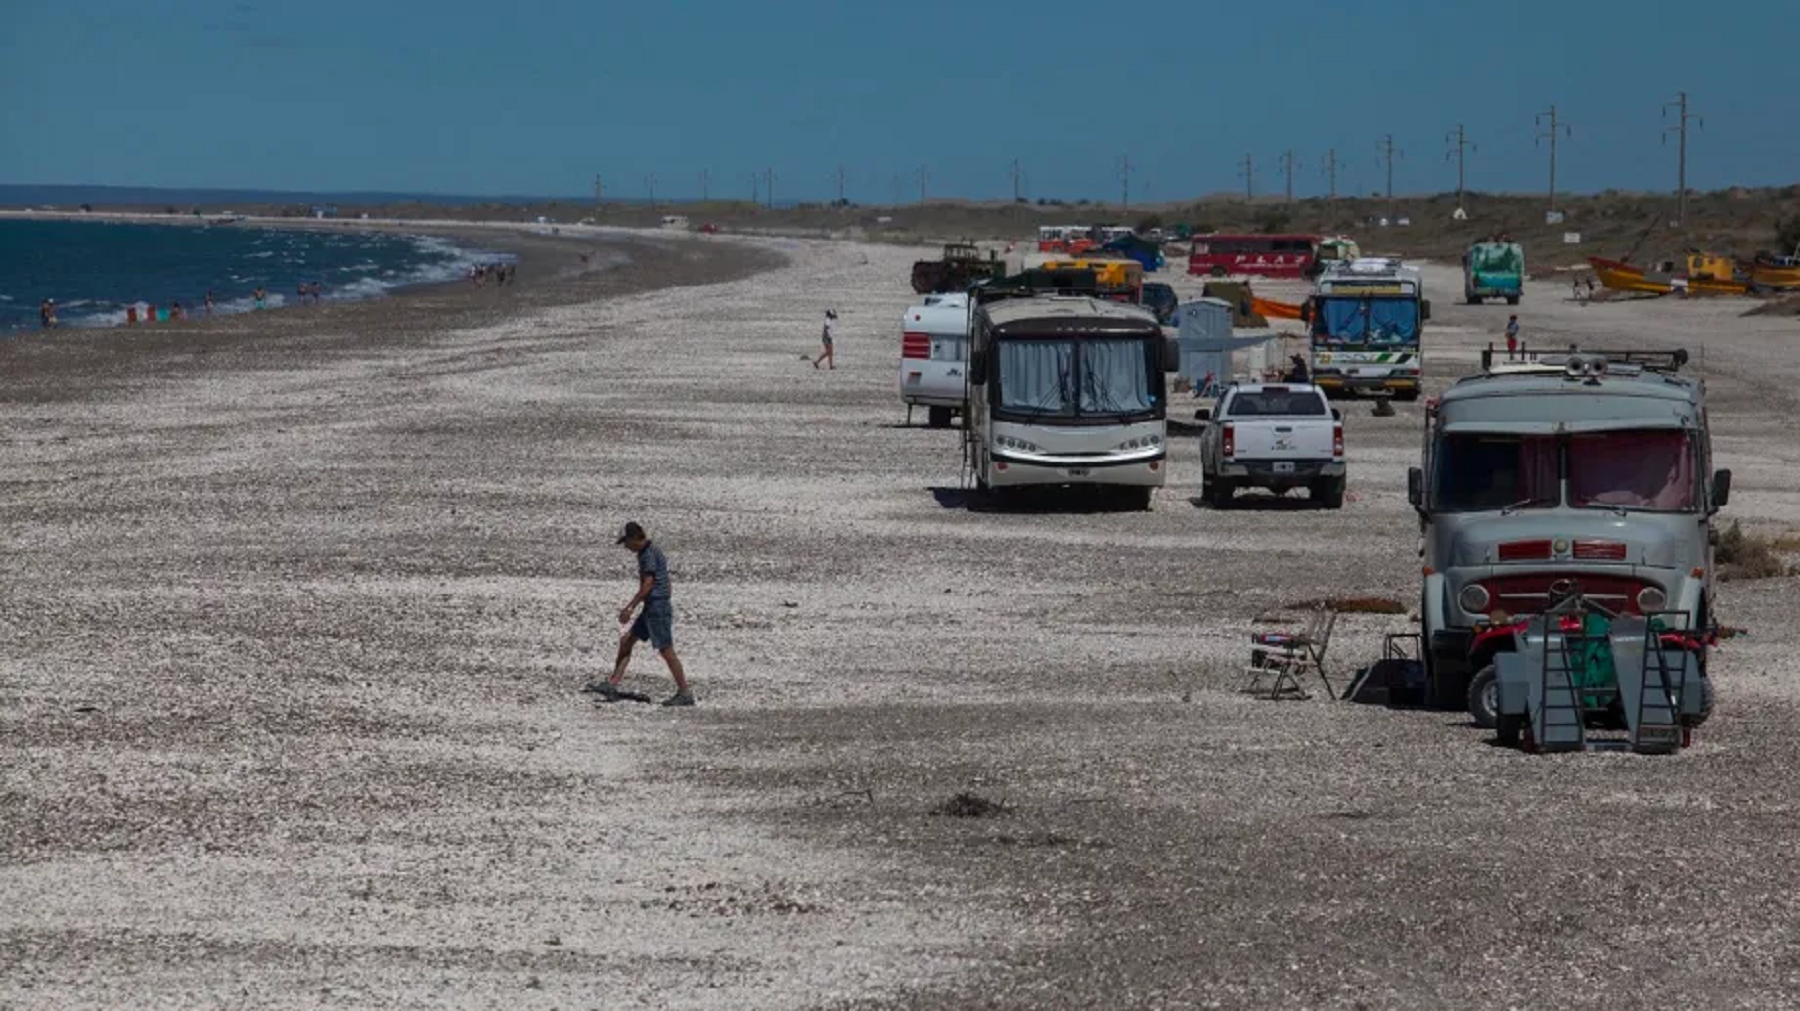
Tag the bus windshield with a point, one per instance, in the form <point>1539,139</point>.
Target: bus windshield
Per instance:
<point>1343,319</point>
<point>1077,379</point>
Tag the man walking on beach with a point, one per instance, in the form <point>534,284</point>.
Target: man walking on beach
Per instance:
<point>655,624</point>
<point>47,313</point>
<point>826,355</point>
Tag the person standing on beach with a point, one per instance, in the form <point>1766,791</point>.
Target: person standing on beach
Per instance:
<point>259,297</point>
<point>209,302</point>
<point>47,313</point>
<point>1512,336</point>
<point>655,624</point>
<point>318,292</point>
<point>826,355</point>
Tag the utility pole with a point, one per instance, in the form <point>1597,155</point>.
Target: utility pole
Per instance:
<point>1388,153</point>
<point>1287,165</point>
<point>899,189</point>
<point>1018,179</point>
<point>840,182</point>
<point>705,181</point>
<point>1458,141</point>
<point>1249,174</point>
<point>924,174</point>
<point>597,192</point>
<point>1680,128</point>
<point>1330,167</point>
<point>650,184</point>
<point>1556,127</point>
<point>1124,181</point>
<point>769,189</point>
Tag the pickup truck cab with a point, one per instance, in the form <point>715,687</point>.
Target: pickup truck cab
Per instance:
<point>1273,436</point>
<point>934,355</point>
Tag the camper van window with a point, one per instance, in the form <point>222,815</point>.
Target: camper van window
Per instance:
<point>1633,470</point>
<point>1067,379</point>
<point>1477,473</point>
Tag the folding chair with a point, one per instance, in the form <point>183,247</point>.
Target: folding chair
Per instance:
<point>1281,658</point>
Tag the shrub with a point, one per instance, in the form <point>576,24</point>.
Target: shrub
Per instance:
<point>1747,556</point>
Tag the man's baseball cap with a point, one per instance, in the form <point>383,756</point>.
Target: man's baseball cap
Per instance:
<point>632,531</point>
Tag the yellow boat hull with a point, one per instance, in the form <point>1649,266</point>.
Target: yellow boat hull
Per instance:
<point>1775,277</point>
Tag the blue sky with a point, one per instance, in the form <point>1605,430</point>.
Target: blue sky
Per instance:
<point>536,96</point>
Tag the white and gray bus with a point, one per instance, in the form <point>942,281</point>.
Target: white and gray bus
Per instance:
<point>1067,391</point>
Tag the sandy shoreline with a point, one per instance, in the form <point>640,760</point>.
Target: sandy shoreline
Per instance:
<point>292,628</point>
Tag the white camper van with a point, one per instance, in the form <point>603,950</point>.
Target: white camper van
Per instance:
<point>934,351</point>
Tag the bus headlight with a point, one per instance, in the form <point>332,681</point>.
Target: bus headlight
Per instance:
<point>1008,442</point>
<point>1474,598</point>
<point>1142,442</point>
<point>1651,599</point>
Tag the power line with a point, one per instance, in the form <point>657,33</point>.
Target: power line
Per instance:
<point>1330,168</point>
<point>1458,141</point>
<point>1248,172</point>
<point>1552,134</point>
<point>1388,153</point>
<point>1124,181</point>
<point>1680,128</point>
<point>924,175</point>
<point>1287,164</point>
<point>705,182</point>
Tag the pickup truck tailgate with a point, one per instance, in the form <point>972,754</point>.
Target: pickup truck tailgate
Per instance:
<point>1282,438</point>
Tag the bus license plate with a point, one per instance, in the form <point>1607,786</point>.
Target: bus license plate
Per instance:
<point>1078,472</point>
<point>1284,468</point>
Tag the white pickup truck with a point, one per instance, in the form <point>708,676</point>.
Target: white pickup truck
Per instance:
<point>1274,436</point>
<point>934,353</point>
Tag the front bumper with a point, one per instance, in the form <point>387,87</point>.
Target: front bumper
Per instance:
<point>1142,472</point>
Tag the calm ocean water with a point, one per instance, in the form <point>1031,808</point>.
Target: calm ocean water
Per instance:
<point>94,270</point>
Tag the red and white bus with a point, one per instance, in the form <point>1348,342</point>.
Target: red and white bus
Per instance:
<point>1263,255</point>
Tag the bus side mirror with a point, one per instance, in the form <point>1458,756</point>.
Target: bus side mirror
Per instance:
<point>1171,355</point>
<point>1415,488</point>
<point>1424,310</point>
<point>978,368</point>
<point>1721,489</point>
<point>1306,311</point>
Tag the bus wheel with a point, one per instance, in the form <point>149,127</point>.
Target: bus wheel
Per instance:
<point>1218,272</point>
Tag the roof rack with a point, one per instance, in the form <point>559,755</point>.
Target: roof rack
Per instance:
<point>1589,362</point>
<point>1039,281</point>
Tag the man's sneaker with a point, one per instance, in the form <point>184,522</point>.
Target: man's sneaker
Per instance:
<point>679,699</point>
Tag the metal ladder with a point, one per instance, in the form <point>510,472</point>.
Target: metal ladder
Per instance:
<point>1558,721</point>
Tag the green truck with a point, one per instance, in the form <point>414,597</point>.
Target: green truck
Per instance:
<point>1493,268</point>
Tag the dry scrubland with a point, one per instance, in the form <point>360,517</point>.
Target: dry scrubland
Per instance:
<point>292,630</point>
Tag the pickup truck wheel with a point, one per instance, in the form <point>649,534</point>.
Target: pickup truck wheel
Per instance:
<point>1217,492</point>
<point>1484,698</point>
<point>938,417</point>
<point>1330,492</point>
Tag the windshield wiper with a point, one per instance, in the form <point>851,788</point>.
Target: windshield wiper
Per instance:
<point>1516,506</point>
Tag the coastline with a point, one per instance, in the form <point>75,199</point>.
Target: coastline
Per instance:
<point>552,270</point>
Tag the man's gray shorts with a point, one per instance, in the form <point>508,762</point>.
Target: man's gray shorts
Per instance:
<point>655,625</point>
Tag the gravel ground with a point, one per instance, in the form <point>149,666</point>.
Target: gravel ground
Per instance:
<point>290,642</point>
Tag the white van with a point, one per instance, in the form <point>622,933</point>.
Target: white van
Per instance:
<point>934,353</point>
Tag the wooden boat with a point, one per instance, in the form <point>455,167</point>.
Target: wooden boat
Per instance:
<point>1704,274</point>
<point>1620,276</point>
<point>1781,272</point>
